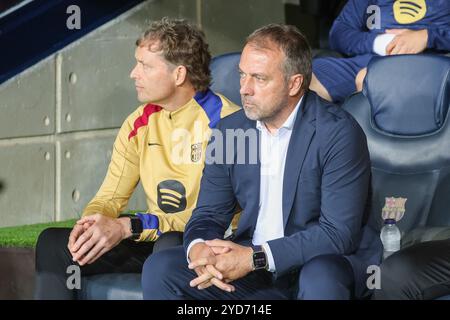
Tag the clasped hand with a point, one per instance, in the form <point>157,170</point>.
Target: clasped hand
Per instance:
<point>219,262</point>
<point>94,235</point>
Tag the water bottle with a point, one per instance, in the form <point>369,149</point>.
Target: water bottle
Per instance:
<point>390,237</point>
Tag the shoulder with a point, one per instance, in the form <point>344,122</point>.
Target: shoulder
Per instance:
<point>228,107</point>
<point>328,114</point>
<point>236,120</point>
<point>139,118</point>
<point>330,120</point>
<point>215,106</point>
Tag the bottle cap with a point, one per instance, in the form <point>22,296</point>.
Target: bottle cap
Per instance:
<point>389,221</point>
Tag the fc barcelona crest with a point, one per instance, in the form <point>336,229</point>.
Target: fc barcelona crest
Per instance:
<point>394,208</point>
<point>196,152</point>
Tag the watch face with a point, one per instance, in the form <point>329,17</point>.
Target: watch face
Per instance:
<point>259,260</point>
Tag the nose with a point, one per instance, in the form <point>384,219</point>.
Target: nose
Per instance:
<point>133,73</point>
<point>246,86</point>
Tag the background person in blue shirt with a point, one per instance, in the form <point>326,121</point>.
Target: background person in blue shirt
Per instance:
<point>405,27</point>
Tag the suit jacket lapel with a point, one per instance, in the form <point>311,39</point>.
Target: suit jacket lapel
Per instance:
<point>301,137</point>
<point>248,219</point>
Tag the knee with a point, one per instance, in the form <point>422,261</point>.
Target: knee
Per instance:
<point>157,271</point>
<point>359,80</point>
<point>168,240</point>
<point>52,239</point>
<point>157,262</point>
<point>325,268</point>
<point>391,266</point>
<point>51,244</point>
<point>398,266</point>
<point>319,88</point>
<point>326,277</point>
<point>396,274</point>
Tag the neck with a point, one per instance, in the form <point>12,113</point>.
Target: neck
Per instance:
<point>275,122</point>
<point>181,96</point>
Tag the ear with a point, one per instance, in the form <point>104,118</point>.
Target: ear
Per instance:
<point>180,75</point>
<point>295,84</point>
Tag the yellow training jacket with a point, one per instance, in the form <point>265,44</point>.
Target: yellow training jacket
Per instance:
<point>166,151</point>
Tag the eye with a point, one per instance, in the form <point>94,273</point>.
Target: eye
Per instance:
<point>241,75</point>
<point>260,78</point>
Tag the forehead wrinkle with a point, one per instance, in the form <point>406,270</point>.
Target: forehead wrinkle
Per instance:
<point>262,64</point>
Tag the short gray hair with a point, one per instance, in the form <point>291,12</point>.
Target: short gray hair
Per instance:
<point>292,43</point>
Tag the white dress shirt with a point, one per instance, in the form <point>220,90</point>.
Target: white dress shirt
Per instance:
<point>273,149</point>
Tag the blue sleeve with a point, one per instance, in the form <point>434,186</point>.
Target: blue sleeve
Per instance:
<point>344,191</point>
<point>149,221</point>
<point>349,34</point>
<point>439,38</point>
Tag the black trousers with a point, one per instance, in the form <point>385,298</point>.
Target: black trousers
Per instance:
<point>53,259</point>
<point>421,271</point>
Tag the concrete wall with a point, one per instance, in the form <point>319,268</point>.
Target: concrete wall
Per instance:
<point>58,119</point>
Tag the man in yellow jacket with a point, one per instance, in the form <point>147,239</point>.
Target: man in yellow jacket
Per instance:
<point>162,144</point>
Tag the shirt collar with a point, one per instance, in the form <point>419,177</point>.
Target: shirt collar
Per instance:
<point>290,121</point>
<point>180,110</point>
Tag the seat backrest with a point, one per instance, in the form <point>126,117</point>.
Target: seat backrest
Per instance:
<point>225,76</point>
<point>323,13</point>
<point>403,111</point>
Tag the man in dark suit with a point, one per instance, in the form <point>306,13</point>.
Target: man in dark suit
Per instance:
<point>299,168</point>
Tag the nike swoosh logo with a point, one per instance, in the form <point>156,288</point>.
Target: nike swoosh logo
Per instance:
<point>154,144</point>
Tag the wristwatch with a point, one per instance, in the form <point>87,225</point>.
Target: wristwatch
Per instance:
<point>135,225</point>
<point>259,258</point>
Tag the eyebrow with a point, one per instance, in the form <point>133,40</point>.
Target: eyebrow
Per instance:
<point>253,74</point>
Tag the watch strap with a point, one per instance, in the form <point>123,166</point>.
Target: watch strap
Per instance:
<point>136,225</point>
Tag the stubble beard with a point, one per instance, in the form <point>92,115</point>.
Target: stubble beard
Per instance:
<point>265,115</point>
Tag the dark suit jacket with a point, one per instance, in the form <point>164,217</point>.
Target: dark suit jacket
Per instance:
<point>325,189</point>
